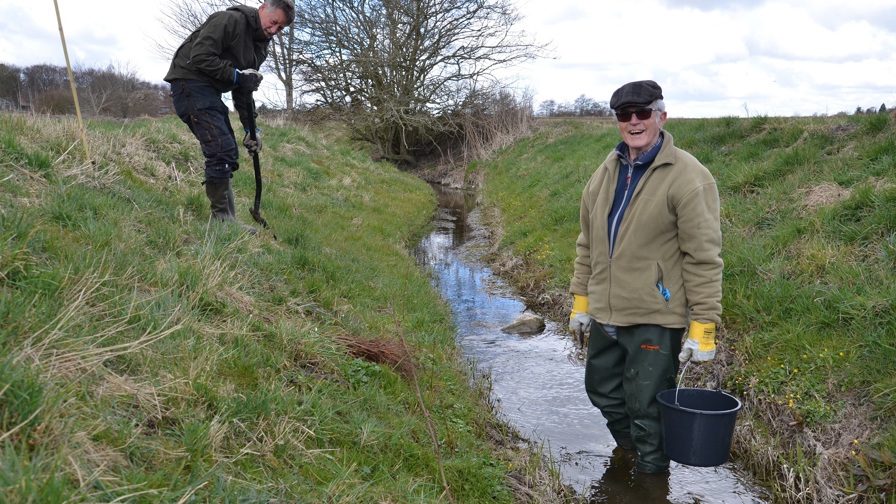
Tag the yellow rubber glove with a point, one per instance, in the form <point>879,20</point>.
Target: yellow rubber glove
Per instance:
<point>579,321</point>
<point>701,343</point>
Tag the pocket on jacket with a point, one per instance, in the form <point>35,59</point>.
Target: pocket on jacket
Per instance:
<point>662,290</point>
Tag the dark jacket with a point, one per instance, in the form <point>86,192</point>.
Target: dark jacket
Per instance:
<point>228,40</point>
<point>670,234</point>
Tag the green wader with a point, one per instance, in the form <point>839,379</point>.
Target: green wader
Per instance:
<point>623,377</point>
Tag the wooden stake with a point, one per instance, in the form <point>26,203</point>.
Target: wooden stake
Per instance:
<point>71,80</point>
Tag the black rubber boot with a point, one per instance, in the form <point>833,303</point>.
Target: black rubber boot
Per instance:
<point>218,192</point>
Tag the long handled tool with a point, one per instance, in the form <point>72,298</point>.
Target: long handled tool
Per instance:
<point>256,209</point>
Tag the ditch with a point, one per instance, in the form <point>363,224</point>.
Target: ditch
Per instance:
<point>537,381</point>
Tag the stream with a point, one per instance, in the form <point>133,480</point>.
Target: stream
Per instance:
<point>538,383</point>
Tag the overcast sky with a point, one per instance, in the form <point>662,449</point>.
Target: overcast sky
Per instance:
<point>712,58</point>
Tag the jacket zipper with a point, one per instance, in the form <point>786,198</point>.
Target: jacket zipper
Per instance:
<point>615,224</point>
<point>613,227</point>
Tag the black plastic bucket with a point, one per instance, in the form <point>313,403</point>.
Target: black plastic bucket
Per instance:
<point>698,425</point>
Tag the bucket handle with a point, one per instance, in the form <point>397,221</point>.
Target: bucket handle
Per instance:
<point>681,377</point>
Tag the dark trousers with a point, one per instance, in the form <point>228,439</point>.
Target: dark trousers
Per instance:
<point>199,105</point>
<point>623,377</point>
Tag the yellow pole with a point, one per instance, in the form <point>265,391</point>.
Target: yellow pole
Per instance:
<point>71,80</point>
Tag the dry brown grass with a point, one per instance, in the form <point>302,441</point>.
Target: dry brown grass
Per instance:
<point>825,194</point>
<point>390,352</point>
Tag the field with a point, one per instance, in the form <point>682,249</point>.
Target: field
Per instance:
<point>151,356</point>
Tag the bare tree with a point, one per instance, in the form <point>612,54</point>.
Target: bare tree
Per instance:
<point>283,63</point>
<point>98,88</point>
<point>405,70</point>
<point>547,108</point>
<point>41,84</point>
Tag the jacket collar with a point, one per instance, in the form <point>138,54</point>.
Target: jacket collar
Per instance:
<point>253,19</point>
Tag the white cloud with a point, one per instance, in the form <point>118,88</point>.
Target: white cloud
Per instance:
<point>97,33</point>
<point>712,57</point>
<point>718,58</point>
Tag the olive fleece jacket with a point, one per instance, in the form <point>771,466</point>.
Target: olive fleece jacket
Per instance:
<point>229,40</point>
<point>670,234</point>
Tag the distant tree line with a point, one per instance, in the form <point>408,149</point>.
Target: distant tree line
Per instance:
<point>871,110</point>
<point>580,107</point>
<point>586,107</point>
<point>114,91</point>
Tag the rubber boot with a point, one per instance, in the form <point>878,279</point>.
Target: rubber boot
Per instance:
<point>217,191</point>
<point>220,193</point>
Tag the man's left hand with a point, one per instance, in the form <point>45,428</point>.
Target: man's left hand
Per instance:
<point>253,146</point>
<point>248,80</point>
<point>701,343</point>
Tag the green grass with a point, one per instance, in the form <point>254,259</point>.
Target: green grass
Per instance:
<point>809,229</point>
<point>152,356</point>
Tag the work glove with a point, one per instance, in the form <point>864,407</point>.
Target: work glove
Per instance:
<point>247,80</point>
<point>579,321</point>
<point>701,343</point>
<point>253,146</point>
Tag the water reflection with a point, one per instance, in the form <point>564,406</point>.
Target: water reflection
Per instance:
<point>538,382</point>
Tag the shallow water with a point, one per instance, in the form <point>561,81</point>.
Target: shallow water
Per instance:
<point>538,382</point>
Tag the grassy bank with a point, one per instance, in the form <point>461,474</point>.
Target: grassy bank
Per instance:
<point>808,338</point>
<point>150,356</point>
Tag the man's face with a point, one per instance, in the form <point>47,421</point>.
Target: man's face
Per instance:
<point>273,21</point>
<point>639,133</point>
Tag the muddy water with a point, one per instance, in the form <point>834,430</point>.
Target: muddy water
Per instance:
<point>538,382</point>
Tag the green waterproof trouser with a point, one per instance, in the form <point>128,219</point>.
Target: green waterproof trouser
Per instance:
<point>623,377</point>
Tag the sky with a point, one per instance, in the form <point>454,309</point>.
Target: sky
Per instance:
<point>713,58</point>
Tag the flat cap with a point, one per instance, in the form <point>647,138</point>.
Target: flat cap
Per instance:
<point>636,93</point>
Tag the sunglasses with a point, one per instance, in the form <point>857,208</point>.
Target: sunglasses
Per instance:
<point>642,114</point>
